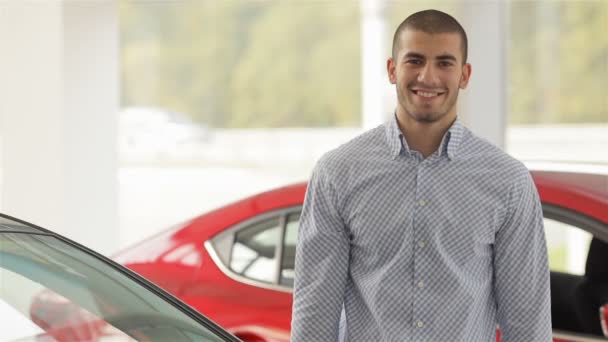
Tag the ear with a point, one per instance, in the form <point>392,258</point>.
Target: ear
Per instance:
<point>391,70</point>
<point>466,75</point>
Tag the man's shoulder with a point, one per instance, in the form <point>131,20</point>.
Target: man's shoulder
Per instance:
<point>363,146</point>
<point>481,152</point>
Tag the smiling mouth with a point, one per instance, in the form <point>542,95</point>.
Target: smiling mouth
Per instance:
<point>427,94</point>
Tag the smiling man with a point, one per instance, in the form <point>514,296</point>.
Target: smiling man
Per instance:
<point>418,230</point>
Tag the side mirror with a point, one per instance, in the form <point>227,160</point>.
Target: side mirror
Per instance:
<point>604,318</point>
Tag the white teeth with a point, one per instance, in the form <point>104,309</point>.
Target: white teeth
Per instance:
<point>425,94</point>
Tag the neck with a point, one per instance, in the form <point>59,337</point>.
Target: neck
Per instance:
<point>424,137</point>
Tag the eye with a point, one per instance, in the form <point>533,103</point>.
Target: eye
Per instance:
<point>445,64</point>
<point>414,61</point>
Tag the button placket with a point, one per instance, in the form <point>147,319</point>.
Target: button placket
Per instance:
<point>419,244</point>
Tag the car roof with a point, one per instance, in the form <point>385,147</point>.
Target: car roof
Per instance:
<point>582,188</point>
<point>212,222</point>
<point>586,176</point>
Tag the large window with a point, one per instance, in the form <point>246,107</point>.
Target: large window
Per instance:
<point>559,62</point>
<point>230,98</point>
<point>244,63</point>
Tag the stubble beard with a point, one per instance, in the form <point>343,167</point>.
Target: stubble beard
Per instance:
<point>424,117</point>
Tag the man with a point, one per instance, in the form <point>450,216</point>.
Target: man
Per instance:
<point>418,230</point>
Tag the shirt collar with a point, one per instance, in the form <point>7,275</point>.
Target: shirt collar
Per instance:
<point>449,144</point>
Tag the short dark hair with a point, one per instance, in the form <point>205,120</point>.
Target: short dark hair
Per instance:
<point>431,21</point>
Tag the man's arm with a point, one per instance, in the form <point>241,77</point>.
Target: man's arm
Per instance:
<point>521,271</point>
<point>322,257</point>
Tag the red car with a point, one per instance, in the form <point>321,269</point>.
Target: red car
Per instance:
<point>236,264</point>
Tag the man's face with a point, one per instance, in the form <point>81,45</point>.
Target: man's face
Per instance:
<point>428,73</point>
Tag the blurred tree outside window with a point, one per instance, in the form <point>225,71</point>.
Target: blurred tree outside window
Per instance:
<point>248,64</point>
<point>559,62</point>
<point>244,63</point>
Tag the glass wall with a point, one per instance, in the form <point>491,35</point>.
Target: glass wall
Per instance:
<point>228,98</point>
<point>559,62</point>
<point>244,64</point>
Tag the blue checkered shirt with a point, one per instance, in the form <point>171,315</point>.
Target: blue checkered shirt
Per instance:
<point>407,248</point>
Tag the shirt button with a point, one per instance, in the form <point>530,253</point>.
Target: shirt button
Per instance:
<point>422,203</point>
<point>420,284</point>
<point>419,324</point>
<point>421,244</point>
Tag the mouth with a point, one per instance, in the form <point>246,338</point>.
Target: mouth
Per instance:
<point>427,94</point>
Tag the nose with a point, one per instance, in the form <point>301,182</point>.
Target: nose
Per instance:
<point>428,75</point>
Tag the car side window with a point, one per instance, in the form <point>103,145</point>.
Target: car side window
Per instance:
<point>289,250</point>
<point>254,252</point>
<point>567,246</point>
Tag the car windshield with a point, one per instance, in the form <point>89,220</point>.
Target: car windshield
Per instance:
<point>53,291</point>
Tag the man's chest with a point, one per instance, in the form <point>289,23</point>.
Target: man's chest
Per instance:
<point>397,213</point>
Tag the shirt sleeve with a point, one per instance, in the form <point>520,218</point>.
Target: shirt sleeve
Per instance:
<point>521,270</point>
<point>321,266</point>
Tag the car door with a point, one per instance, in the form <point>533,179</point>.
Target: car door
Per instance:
<point>569,235</point>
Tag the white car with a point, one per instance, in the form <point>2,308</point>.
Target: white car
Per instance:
<point>157,133</point>
<point>53,289</point>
